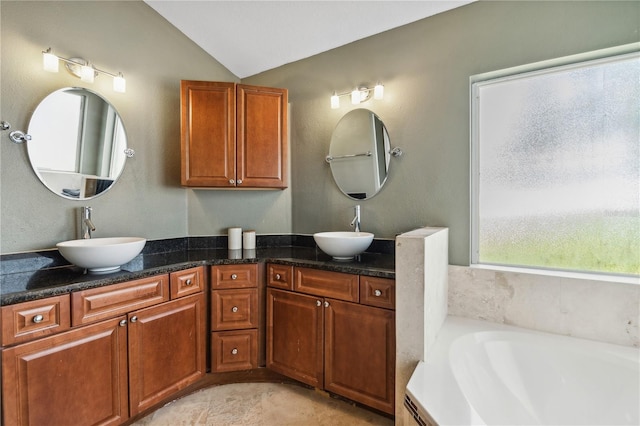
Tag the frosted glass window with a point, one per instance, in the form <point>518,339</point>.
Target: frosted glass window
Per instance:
<point>556,168</point>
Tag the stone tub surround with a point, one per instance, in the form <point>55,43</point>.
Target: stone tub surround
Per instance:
<point>31,276</point>
<point>590,309</point>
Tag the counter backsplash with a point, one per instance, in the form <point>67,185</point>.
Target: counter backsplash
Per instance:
<point>33,275</point>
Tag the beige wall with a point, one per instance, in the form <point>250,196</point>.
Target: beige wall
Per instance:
<point>425,67</point>
<point>148,201</point>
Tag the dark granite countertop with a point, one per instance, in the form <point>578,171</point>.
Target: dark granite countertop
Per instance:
<point>32,276</point>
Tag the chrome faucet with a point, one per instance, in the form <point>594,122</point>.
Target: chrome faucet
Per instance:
<point>86,226</point>
<point>356,220</point>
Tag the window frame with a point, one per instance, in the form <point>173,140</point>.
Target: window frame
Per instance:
<point>508,74</point>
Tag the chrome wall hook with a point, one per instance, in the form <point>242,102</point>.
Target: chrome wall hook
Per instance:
<point>19,137</point>
<point>396,152</point>
<point>16,136</point>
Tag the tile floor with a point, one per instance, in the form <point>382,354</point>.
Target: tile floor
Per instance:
<point>261,404</point>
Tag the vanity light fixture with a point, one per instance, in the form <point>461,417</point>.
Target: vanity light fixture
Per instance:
<point>81,68</point>
<point>359,95</point>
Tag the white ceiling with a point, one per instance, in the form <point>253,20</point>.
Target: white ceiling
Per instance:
<point>251,36</point>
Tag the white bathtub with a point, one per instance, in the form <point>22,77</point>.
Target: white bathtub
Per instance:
<point>490,374</point>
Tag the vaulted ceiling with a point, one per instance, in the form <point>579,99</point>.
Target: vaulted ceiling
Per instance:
<point>249,37</point>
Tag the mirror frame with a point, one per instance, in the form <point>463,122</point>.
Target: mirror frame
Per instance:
<point>90,118</point>
<point>359,154</point>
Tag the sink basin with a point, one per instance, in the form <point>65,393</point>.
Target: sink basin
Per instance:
<point>343,245</point>
<point>101,254</point>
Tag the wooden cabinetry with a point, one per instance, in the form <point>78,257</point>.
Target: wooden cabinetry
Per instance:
<point>166,350</point>
<point>132,348</point>
<point>329,338</point>
<point>76,377</point>
<point>234,317</point>
<point>233,135</point>
<point>38,318</point>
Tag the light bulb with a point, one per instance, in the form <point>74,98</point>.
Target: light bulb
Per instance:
<point>50,62</point>
<point>335,101</point>
<point>87,73</point>
<point>119,83</point>
<point>355,97</point>
<point>378,91</point>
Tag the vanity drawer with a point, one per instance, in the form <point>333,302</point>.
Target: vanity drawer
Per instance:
<point>280,276</point>
<point>106,302</point>
<point>186,282</point>
<point>379,292</point>
<point>335,285</point>
<point>234,309</point>
<point>234,350</point>
<point>37,318</point>
<point>234,276</point>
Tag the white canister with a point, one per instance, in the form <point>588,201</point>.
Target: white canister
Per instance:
<point>235,238</point>
<point>249,240</point>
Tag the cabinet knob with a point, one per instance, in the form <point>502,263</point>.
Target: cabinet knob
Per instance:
<point>234,309</point>
<point>318,303</point>
<point>38,318</point>
<point>326,304</point>
<point>239,181</point>
<point>278,277</point>
<point>234,351</point>
<point>188,282</point>
<point>377,293</point>
<point>232,182</point>
<point>134,319</point>
<point>123,323</point>
<point>234,277</point>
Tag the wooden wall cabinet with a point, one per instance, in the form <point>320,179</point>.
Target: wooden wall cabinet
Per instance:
<point>233,135</point>
<point>331,337</point>
<point>123,356</point>
<point>234,317</point>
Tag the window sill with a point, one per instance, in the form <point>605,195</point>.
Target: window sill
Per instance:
<point>621,279</point>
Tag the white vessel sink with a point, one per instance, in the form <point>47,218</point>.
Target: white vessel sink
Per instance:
<point>343,245</point>
<point>101,254</point>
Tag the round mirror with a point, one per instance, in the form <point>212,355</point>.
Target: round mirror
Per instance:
<point>359,154</point>
<point>78,143</point>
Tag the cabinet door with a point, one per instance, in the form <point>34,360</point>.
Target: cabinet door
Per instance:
<point>208,139</point>
<point>261,145</point>
<point>294,336</point>
<point>360,353</point>
<point>78,377</point>
<point>166,350</point>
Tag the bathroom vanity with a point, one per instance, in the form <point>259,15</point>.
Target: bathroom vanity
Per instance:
<point>111,348</point>
<point>327,329</point>
<point>109,354</point>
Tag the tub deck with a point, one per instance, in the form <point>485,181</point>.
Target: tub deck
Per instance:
<point>482,373</point>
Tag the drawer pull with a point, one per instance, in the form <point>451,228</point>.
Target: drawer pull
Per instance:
<point>234,351</point>
<point>123,323</point>
<point>134,318</point>
<point>234,277</point>
<point>188,282</point>
<point>278,277</point>
<point>234,309</point>
<point>38,318</point>
<point>377,293</point>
